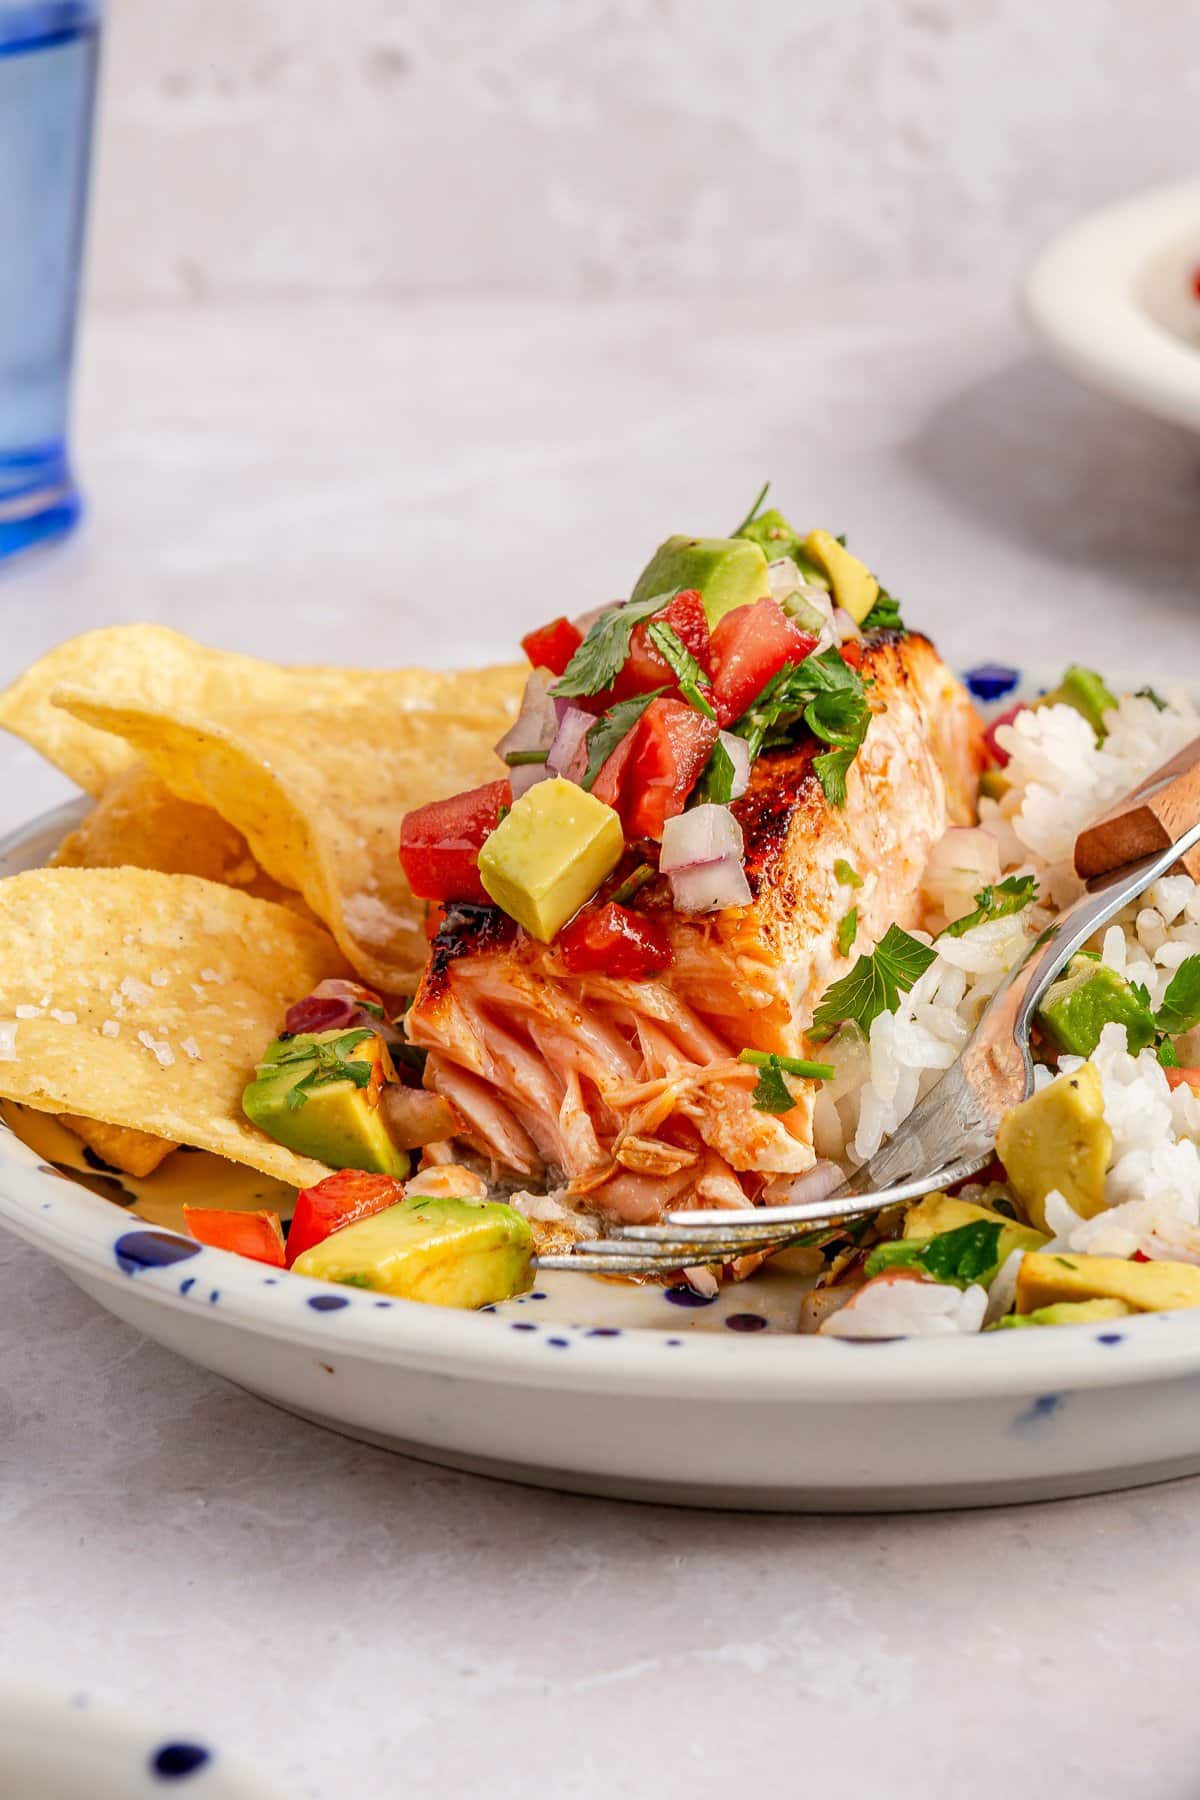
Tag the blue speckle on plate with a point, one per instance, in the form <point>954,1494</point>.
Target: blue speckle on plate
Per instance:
<point>327,1302</point>
<point>674,1343</point>
<point>747,1322</point>
<point>559,1343</point>
<point>187,1284</point>
<point>537,1294</point>
<point>1044,1407</point>
<point>171,1762</point>
<point>605,1331</point>
<point>991,681</point>
<point>270,1281</point>
<point>522,1325</point>
<point>214,1296</point>
<point>1111,1337</point>
<point>382,1304</point>
<point>686,1296</point>
<point>138,1250</point>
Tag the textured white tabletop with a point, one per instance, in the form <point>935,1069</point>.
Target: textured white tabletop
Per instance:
<point>365,483</point>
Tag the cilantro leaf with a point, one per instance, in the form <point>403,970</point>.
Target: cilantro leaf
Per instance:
<point>1180,1009</point>
<point>828,697</point>
<point>1155,699</point>
<point>875,983</point>
<point>847,874</point>
<point>968,1254</point>
<point>885,614</point>
<point>750,517</point>
<point>1167,1055</point>
<point>716,783</point>
<point>603,737</point>
<point>683,666</point>
<point>598,660</point>
<point>771,1092</point>
<point>331,1063</point>
<point>997,901</point>
<point>847,932</point>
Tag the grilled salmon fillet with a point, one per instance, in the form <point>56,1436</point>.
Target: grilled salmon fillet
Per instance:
<point>629,1093</point>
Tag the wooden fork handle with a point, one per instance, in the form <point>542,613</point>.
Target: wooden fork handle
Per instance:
<point>1146,821</point>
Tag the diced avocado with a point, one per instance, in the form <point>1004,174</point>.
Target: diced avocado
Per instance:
<point>937,1213</point>
<point>854,587</point>
<point>1068,1312</point>
<point>726,572</point>
<point>1084,1000</point>
<point>302,1098</point>
<point>1045,1278</point>
<point>778,538</point>
<point>550,855</point>
<point>1058,1139</point>
<point>1087,692</point>
<point>994,784</point>
<point>446,1252</point>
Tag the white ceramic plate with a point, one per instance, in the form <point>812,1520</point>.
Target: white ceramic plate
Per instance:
<point>1113,299</point>
<point>606,1389</point>
<point>55,1748</point>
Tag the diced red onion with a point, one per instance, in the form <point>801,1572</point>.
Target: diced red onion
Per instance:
<point>523,776</point>
<point>845,629</point>
<point>415,1117</point>
<point>567,755</point>
<point>702,858</point>
<point>738,752</point>
<point>319,1013</point>
<point>537,720</point>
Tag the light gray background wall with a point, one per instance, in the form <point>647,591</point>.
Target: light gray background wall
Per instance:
<point>613,146</point>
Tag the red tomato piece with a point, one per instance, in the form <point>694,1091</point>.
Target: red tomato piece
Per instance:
<point>552,646</point>
<point>851,653</point>
<point>440,843</point>
<point>671,744</point>
<point>1177,1077</point>
<point>749,646</point>
<point>338,1200</point>
<point>616,941</point>
<point>258,1235</point>
<point>646,668</point>
<point>1000,757</point>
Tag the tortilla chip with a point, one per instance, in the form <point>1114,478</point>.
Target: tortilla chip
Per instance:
<point>154,667</point>
<point>139,823</point>
<point>319,796</point>
<point>133,1152</point>
<point>145,1000</point>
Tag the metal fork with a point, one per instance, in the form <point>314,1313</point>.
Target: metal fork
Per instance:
<point>949,1136</point>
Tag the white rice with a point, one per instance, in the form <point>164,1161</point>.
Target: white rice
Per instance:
<point>1060,781</point>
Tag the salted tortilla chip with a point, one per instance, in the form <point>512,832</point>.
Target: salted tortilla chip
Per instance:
<point>161,669</point>
<point>145,1000</point>
<point>319,797</point>
<point>139,823</point>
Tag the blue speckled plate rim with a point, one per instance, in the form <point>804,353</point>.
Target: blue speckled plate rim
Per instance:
<point>84,1233</point>
<point>59,1729</point>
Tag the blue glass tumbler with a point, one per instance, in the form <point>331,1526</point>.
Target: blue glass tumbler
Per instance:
<point>48,57</point>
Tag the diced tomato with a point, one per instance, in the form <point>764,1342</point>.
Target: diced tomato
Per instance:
<point>749,646</point>
<point>1180,1077</point>
<point>1000,757</point>
<point>671,745</point>
<point>258,1235</point>
<point>613,939</point>
<point>851,653</point>
<point>440,843</point>
<point>552,646</point>
<point>645,668</point>
<point>339,1200</point>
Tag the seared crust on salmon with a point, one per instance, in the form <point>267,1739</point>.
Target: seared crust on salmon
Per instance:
<point>630,1092</point>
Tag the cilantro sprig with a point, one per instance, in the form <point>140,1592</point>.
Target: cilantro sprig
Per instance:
<point>829,698</point>
<point>716,783</point>
<point>331,1062</point>
<point>598,660</point>
<point>603,737</point>
<point>875,983</point>
<point>683,666</point>
<point>771,1092</point>
<point>996,901</point>
<point>885,614</point>
<point>1180,1009</point>
<point>968,1254</point>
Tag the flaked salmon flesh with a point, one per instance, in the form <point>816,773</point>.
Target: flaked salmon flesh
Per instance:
<point>629,1093</point>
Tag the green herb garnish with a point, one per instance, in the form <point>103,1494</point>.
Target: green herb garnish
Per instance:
<point>1155,699</point>
<point>847,874</point>
<point>968,1254</point>
<point>885,614</point>
<point>750,517</point>
<point>716,784</point>
<point>771,1091</point>
<point>599,659</point>
<point>1180,1009</point>
<point>683,666</point>
<point>603,737</point>
<point>524,759</point>
<point>330,1065</point>
<point>633,884</point>
<point>847,931</point>
<point>825,695</point>
<point>996,901</point>
<point>875,983</point>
